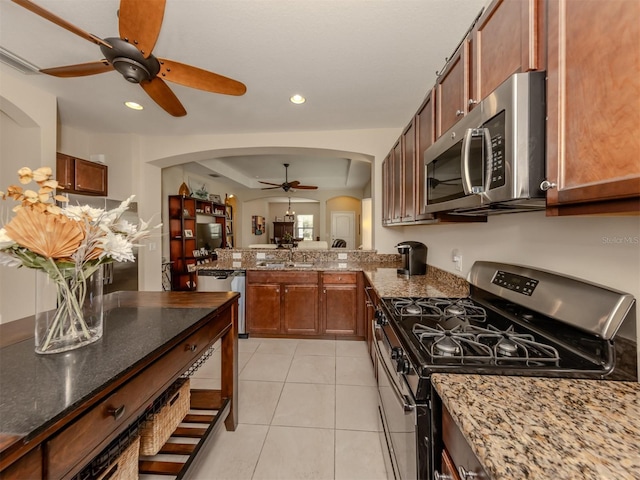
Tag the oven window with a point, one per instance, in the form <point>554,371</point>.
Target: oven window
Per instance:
<point>444,174</point>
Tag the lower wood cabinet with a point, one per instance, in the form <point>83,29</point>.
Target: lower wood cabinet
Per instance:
<point>282,303</point>
<point>298,304</point>
<point>340,303</point>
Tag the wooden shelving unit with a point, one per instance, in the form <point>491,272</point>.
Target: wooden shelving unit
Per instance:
<point>184,213</point>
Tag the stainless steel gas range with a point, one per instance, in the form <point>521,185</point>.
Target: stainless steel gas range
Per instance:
<point>516,321</point>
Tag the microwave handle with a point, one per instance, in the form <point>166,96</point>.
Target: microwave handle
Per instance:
<point>465,159</point>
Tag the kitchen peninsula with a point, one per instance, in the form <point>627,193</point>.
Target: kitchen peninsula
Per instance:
<point>59,411</point>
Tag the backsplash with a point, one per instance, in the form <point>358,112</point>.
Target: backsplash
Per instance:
<point>315,256</point>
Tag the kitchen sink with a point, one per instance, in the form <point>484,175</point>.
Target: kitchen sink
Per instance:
<point>271,264</point>
<point>301,265</point>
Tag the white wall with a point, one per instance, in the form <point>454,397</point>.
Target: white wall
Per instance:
<point>603,250</point>
<point>27,139</point>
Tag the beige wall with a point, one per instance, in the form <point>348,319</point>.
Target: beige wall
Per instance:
<point>27,139</point>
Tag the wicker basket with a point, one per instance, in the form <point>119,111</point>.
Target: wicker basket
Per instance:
<point>160,425</point>
<point>126,465</point>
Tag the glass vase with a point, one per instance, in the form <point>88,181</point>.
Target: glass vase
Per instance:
<point>69,309</point>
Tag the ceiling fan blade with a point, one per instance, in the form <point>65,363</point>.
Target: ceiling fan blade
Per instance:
<point>47,15</point>
<point>306,187</point>
<point>269,183</point>
<point>160,92</point>
<point>139,22</point>
<point>79,70</point>
<point>270,188</point>
<point>195,77</point>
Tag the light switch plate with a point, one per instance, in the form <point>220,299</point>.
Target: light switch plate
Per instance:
<point>237,255</point>
<point>342,265</point>
<point>237,264</point>
<point>261,255</point>
<point>342,256</point>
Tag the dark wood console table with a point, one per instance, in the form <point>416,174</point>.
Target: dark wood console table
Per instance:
<point>59,411</point>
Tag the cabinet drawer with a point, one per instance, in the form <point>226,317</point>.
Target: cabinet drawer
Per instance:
<point>339,278</point>
<point>84,438</point>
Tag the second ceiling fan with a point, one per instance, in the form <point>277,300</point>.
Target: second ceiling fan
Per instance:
<point>139,25</point>
<point>287,185</point>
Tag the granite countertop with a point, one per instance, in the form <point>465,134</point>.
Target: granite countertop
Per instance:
<point>525,427</point>
<point>382,275</point>
<point>37,390</point>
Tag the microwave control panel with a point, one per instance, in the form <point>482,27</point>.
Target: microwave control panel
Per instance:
<point>516,283</point>
<point>496,160</point>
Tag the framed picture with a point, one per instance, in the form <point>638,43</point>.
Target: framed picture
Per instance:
<point>185,213</point>
<point>289,218</point>
<point>196,253</point>
<point>188,233</point>
<point>191,267</point>
<point>215,198</point>
<point>207,209</point>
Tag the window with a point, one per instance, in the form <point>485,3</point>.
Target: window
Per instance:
<point>304,227</point>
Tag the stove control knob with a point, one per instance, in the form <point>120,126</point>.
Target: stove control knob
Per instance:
<point>396,352</point>
<point>403,365</point>
<point>380,318</point>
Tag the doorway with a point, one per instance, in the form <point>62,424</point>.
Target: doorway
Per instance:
<point>343,225</point>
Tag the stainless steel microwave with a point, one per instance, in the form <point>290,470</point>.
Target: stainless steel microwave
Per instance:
<point>492,161</point>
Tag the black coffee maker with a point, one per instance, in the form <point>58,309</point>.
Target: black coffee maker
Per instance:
<point>414,258</point>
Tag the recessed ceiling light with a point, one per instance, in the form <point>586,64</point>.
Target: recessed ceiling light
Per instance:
<point>297,99</point>
<point>134,105</point>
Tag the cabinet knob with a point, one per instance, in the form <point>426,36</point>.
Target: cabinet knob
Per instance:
<point>441,476</point>
<point>547,185</point>
<point>190,348</point>
<point>459,113</point>
<point>473,102</point>
<point>116,412</point>
<point>466,474</point>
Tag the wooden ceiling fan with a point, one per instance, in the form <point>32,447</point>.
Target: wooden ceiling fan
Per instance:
<point>287,185</point>
<point>139,24</point>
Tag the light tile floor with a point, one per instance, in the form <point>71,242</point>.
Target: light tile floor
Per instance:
<point>307,410</point>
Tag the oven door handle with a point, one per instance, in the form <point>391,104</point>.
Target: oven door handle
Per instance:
<point>407,406</point>
<point>465,160</point>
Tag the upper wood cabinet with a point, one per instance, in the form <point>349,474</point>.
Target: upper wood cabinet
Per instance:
<point>409,173</point>
<point>505,40</point>
<point>81,176</point>
<point>452,90</point>
<point>593,103</point>
<point>424,122</point>
<point>387,190</point>
<point>397,182</point>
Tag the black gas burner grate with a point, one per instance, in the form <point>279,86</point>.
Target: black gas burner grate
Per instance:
<point>472,344</point>
<point>438,308</point>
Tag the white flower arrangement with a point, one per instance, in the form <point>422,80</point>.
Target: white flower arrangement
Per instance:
<point>69,244</point>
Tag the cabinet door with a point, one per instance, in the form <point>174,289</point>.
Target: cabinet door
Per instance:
<point>64,171</point>
<point>453,90</point>
<point>263,309</point>
<point>425,127</point>
<point>449,470</point>
<point>505,41</point>
<point>593,135</point>
<point>340,309</point>
<point>90,177</point>
<point>397,184</point>
<point>387,194</point>
<point>409,173</point>
<point>300,309</point>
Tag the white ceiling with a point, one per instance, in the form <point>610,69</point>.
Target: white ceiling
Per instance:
<point>361,64</point>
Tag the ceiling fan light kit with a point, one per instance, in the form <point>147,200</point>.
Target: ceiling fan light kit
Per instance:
<point>139,26</point>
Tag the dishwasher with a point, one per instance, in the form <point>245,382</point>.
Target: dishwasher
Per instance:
<point>226,281</point>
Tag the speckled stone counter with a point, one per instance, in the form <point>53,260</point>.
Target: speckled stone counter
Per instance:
<point>541,428</point>
<point>380,269</point>
<point>37,391</point>
<point>436,283</point>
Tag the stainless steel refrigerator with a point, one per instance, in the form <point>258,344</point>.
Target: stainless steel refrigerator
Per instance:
<point>117,275</point>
